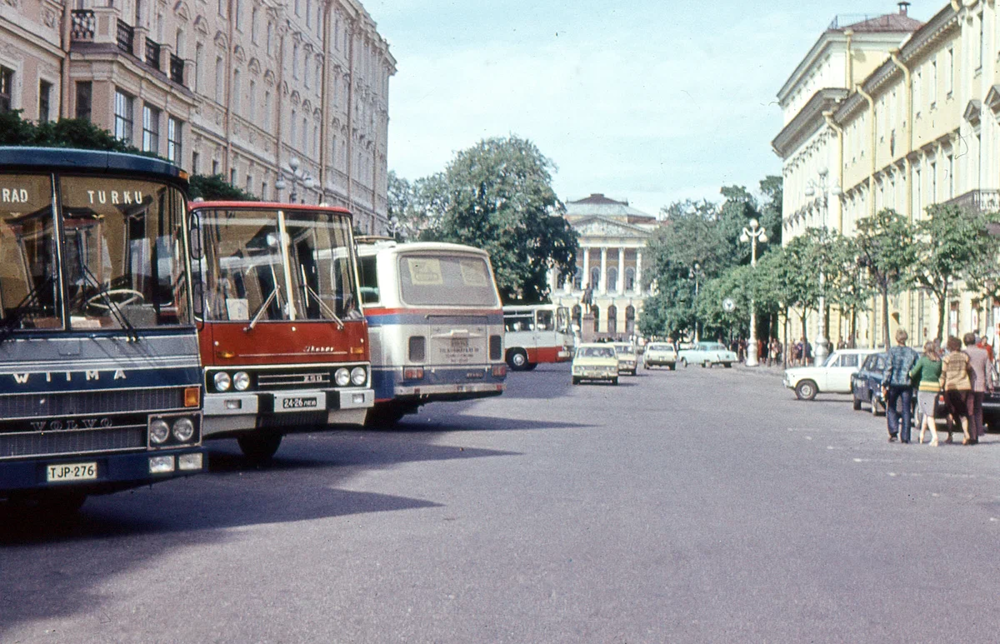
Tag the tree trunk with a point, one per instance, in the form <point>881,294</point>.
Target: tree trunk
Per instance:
<point>942,305</point>
<point>854,326</point>
<point>885,317</point>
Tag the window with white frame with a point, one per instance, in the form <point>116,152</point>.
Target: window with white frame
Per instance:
<point>267,110</point>
<point>949,72</point>
<point>934,82</point>
<point>6,89</point>
<point>220,79</point>
<point>150,128</point>
<point>295,60</point>
<point>123,116</point>
<point>253,24</point>
<point>44,101</point>
<point>175,134</point>
<point>236,93</point>
<point>252,104</point>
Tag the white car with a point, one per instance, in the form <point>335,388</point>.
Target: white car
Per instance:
<point>660,354</point>
<point>832,377</point>
<point>707,354</point>
<point>628,362</point>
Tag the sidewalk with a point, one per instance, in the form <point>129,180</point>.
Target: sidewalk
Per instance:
<point>763,370</point>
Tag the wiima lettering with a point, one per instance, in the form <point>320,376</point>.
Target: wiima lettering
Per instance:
<point>88,375</point>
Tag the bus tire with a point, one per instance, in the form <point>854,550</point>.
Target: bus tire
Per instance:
<point>386,415</point>
<point>531,366</point>
<point>259,448</point>
<point>517,359</point>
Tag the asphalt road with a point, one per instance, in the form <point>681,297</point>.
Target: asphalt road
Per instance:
<point>689,506</point>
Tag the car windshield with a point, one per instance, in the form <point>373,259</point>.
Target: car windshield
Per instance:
<point>462,280</point>
<point>596,352</point>
<point>712,347</point>
<point>830,359</point>
<point>624,348</point>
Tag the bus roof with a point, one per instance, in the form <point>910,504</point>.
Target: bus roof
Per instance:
<point>266,205</point>
<point>69,159</point>
<point>371,248</point>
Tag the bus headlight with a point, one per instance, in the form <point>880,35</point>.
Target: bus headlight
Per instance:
<point>159,431</point>
<point>241,380</point>
<point>359,375</point>
<point>183,429</point>
<point>222,381</point>
<point>342,377</point>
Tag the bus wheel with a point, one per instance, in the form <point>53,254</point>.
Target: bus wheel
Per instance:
<point>517,359</point>
<point>531,366</point>
<point>385,415</point>
<point>259,448</point>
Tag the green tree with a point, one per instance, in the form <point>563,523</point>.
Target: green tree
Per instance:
<point>498,196</point>
<point>215,188</point>
<point>950,244</point>
<point>64,133</point>
<point>888,251</point>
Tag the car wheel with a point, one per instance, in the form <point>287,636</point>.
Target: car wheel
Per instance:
<point>576,380</point>
<point>259,448</point>
<point>635,372</point>
<point>874,405</point>
<point>517,359</point>
<point>672,367</point>
<point>727,365</point>
<point>614,381</point>
<point>684,362</point>
<point>805,390</point>
<point>855,403</point>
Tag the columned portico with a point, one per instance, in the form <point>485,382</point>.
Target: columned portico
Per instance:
<point>621,270</point>
<point>604,269</point>
<point>586,267</point>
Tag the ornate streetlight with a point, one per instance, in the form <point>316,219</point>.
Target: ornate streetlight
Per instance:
<point>822,348</point>
<point>752,234</point>
<point>304,177</point>
<point>397,228</point>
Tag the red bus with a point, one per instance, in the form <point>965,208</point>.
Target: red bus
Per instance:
<point>283,340</point>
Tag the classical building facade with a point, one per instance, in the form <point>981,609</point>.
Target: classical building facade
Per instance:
<point>231,87</point>
<point>609,267</point>
<point>920,127</point>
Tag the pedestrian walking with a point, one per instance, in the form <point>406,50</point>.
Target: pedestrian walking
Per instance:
<point>957,384</point>
<point>982,381</point>
<point>927,373</point>
<point>807,352</point>
<point>896,379</point>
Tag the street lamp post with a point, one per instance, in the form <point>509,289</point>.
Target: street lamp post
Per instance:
<point>696,274</point>
<point>304,177</point>
<point>822,344</point>
<point>752,234</point>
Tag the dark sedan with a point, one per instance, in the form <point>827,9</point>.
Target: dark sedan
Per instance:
<point>866,383</point>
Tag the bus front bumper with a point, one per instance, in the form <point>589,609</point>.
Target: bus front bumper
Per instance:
<point>231,412</point>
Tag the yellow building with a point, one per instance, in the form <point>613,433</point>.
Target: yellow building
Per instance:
<point>920,128</point>
<point>231,87</point>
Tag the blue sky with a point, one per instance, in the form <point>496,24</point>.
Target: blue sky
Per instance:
<point>652,101</point>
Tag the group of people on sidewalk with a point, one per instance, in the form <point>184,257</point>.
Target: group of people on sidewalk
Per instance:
<point>961,376</point>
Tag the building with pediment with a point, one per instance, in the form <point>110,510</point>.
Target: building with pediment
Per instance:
<point>612,237</point>
<point>231,87</point>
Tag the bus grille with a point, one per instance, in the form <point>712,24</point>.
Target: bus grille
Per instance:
<point>271,381</point>
<point>91,402</point>
<point>72,442</point>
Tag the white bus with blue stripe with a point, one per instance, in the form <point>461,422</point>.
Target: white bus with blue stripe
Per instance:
<point>435,325</point>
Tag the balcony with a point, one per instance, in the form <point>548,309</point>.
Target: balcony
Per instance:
<point>153,53</point>
<point>177,69</point>
<point>83,23</point>
<point>126,37</point>
<point>978,200</point>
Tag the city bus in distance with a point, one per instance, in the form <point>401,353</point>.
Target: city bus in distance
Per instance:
<point>435,325</point>
<point>100,378</point>
<point>283,340</point>
<point>536,333</point>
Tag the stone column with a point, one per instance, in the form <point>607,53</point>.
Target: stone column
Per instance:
<point>621,271</point>
<point>604,269</point>
<point>638,270</point>
<point>585,282</point>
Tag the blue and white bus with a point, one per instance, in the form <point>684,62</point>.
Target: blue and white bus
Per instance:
<point>435,325</point>
<point>100,377</point>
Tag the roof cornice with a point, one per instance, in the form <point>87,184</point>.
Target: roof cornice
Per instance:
<point>808,120</point>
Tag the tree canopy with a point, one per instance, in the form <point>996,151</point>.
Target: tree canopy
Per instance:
<point>498,196</point>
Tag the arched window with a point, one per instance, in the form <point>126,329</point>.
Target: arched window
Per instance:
<point>612,319</point>
<point>578,316</point>
<point>595,277</point>
<point>612,279</point>
<point>630,279</point>
<point>577,279</point>
<point>630,319</point>
<point>597,318</point>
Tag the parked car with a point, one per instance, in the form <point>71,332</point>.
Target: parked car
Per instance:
<point>660,354</point>
<point>832,377</point>
<point>628,362</point>
<point>707,354</point>
<point>595,361</point>
<point>866,383</point>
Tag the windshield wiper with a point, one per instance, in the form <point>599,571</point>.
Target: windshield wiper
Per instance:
<point>11,323</point>
<point>323,305</point>
<point>260,311</point>
<point>131,334</point>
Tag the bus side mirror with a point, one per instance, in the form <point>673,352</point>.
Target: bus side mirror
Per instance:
<point>197,252</point>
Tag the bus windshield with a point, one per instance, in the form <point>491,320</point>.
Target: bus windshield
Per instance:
<point>250,272</point>
<point>123,261</point>
<point>460,280</point>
